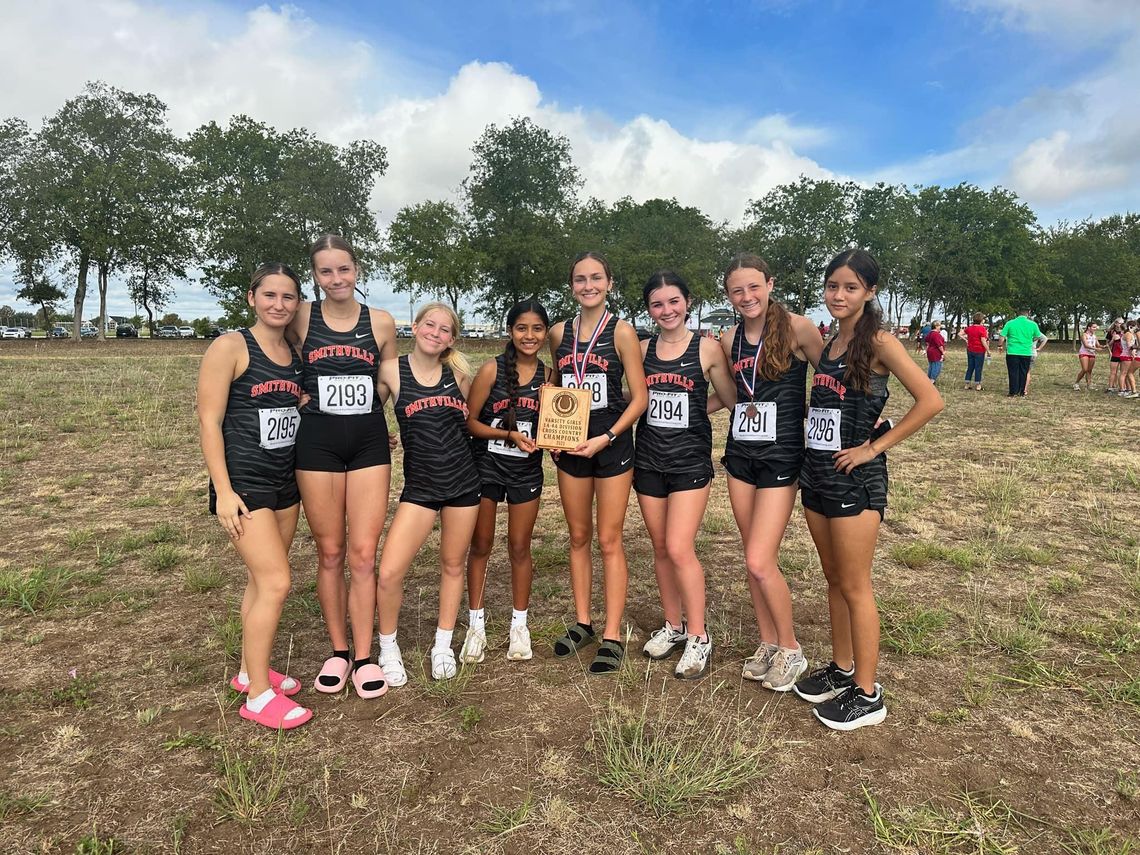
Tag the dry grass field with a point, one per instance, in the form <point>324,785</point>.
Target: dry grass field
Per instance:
<point>1008,572</point>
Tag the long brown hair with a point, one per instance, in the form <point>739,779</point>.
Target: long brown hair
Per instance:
<point>861,350</point>
<point>776,355</point>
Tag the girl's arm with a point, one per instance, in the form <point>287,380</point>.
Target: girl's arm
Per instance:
<point>388,380</point>
<point>716,370</point>
<point>808,339</point>
<point>220,366</point>
<point>892,356</point>
<point>384,331</point>
<point>556,332</point>
<point>725,345</point>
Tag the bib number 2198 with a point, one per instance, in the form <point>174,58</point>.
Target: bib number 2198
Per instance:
<point>596,383</point>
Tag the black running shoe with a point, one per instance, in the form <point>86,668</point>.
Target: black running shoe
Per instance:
<point>852,709</point>
<point>824,683</point>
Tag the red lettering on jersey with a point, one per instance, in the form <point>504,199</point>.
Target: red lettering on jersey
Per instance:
<point>436,401</point>
<point>275,386</point>
<point>831,383</point>
<point>592,359</point>
<point>741,364</point>
<point>522,403</point>
<point>669,377</point>
<point>341,350</point>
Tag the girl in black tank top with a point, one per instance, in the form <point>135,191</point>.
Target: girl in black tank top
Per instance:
<point>430,387</point>
<point>674,467</point>
<point>343,459</point>
<point>248,391</point>
<point>768,351</point>
<point>595,350</point>
<point>844,482</point>
<point>503,418</point>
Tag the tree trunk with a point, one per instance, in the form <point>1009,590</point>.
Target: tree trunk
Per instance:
<point>1076,328</point>
<point>146,302</point>
<point>103,276</point>
<point>80,294</point>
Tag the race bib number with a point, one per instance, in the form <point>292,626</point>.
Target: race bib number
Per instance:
<point>668,409</point>
<point>823,429</point>
<point>279,427</point>
<point>754,421</point>
<point>345,396</point>
<point>596,383</point>
<point>501,446</point>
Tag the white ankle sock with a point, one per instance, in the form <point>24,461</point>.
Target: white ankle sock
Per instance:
<point>475,618</point>
<point>442,639</point>
<point>243,678</point>
<point>518,618</point>
<point>387,642</point>
<point>678,628</point>
<point>261,701</point>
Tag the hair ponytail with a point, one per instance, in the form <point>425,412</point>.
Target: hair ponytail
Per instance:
<point>776,355</point>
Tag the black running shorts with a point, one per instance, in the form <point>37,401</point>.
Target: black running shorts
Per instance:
<point>327,443</point>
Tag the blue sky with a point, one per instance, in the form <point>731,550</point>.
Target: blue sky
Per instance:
<point>711,102</point>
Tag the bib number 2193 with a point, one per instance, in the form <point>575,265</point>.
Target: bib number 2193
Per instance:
<point>347,395</point>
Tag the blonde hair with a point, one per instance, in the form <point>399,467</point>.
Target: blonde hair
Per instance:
<point>451,357</point>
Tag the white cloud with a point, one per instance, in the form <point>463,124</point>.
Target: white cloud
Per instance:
<point>283,68</point>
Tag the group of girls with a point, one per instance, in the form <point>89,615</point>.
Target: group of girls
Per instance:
<point>1122,340</point>
<point>320,374</point>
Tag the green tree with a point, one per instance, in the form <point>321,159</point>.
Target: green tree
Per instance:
<point>429,251</point>
<point>798,228</point>
<point>1093,269</point>
<point>261,195</point>
<point>883,223</point>
<point>95,154</point>
<point>641,238</point>
<point>7,316</point>
<point>520,195</point>
<point>42,292</point>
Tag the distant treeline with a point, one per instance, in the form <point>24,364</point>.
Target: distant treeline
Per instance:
<point>104,188</point>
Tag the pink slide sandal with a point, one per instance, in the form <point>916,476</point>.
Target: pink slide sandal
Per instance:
<point>370,673</point>
<point>273,716</point>
<point>276,678</point>
<point>334,667</point>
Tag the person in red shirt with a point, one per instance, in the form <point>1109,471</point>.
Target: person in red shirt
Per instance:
<point>935,350</point>
<point>977,350</point>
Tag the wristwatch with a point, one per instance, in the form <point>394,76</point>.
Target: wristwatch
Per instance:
<point>612,436</point>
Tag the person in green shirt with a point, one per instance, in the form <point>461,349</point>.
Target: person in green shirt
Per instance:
<point>1022,339</point>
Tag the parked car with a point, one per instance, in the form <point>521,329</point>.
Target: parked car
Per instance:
<point>126,331</point>
<point>215,332</point>
<point>10,332</point>
<point>403,332</point>
<point>87,331</point>
<point>187,332</point>
<point>168,332</point>
<point>643,333</point>
<point>58,332</point>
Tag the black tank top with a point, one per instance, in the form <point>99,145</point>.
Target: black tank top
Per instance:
<point>603,373</point>
<point>500,463</point>
<point>438,464</point>
<point>857,413</point>
<point>759,436</point>
<point>260,425</point>
<point>675,434</point>
<point>347,359</point>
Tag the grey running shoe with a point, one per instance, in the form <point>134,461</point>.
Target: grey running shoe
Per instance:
<point>756,666</point>
<point>787,666</point>
<point>695,661</point>
<point>664,641</point>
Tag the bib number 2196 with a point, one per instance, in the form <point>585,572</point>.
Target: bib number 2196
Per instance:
<point>823,429</point>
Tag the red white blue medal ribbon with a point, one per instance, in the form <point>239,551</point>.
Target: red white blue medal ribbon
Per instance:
<point>750,387</point>
<point>580,369</point>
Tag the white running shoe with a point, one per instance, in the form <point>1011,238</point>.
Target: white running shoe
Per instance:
<point>756,666</point>
<point>664,641</point>
<point>474,645</point>
<point>519,647</point>
<point>443,665</point>
<point>392,663</point>
<point>694,663</point>
<point>787,667</point>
